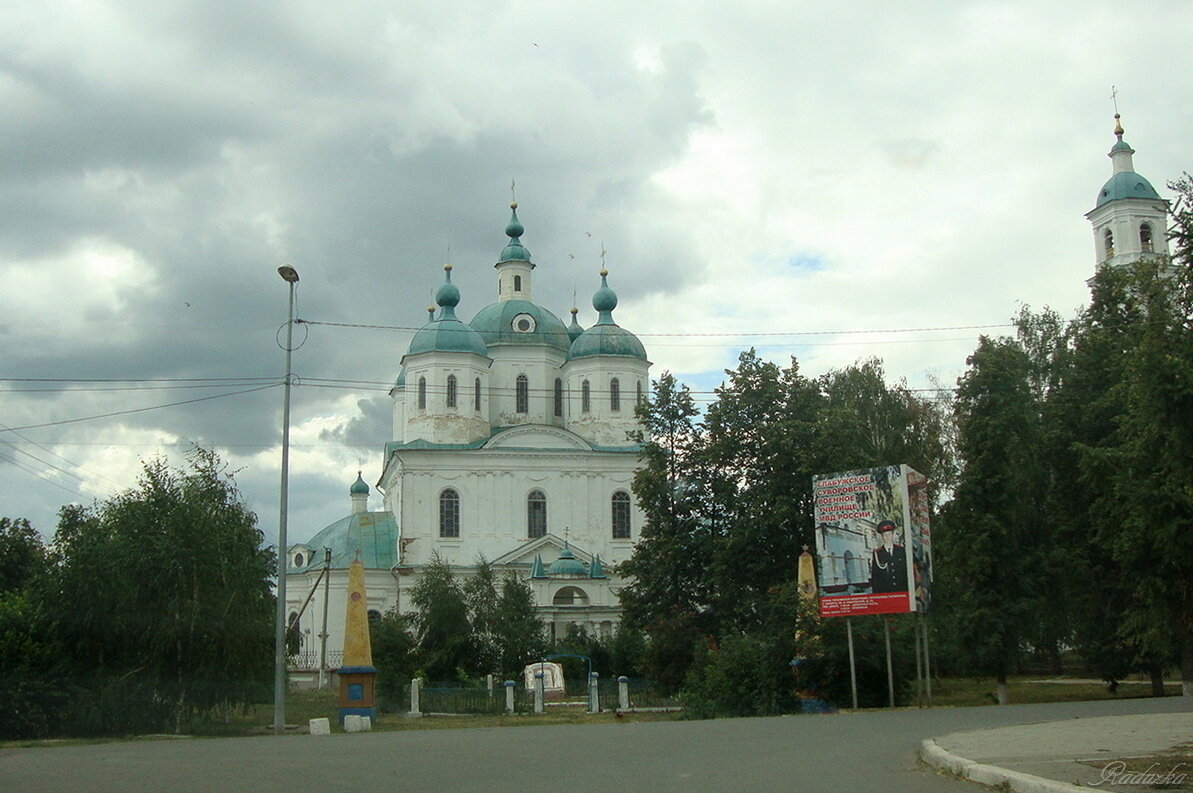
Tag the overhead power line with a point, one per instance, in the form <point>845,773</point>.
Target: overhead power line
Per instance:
<point>720,334</point>
<point>138,410</point>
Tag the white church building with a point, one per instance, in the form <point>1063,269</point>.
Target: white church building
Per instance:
<point>512,441</point>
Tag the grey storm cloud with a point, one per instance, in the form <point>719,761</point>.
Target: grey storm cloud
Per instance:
<point>214,141</point>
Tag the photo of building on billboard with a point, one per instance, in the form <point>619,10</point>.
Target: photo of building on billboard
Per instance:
<point>872,541</point>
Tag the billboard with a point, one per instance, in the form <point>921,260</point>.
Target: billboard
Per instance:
<point>873,541</point>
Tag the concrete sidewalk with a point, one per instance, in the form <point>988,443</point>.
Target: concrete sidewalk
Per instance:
<point>1071,755</point>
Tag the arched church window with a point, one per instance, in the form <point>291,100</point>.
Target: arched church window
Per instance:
<point>517,283</point>
<point>621,515</point>
<point>585,396</point>
<point>615,394</point>
<point>476,395</point>
<point>536,514</point>
<point>1108,243</point>
<point>451,390</point>
<point>523,394</point>
<point>298,560</point>
<point>1145,237</point>
<point>638,397</point>
<point>558,397</point>
<point>374,616</point>
<point>422,393</point>
<point>449,513</point>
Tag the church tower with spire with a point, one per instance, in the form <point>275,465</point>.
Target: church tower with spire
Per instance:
<point>1130,218</point>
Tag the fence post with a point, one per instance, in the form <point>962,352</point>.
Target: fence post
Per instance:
<point>509,696</point>
<point>594,692</point>
<point>539,693</point>
<point>623,693</point>
<point>489,685</point>
<point>415,685</point>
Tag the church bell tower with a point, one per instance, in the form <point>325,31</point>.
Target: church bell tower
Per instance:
<point>1130,219</point>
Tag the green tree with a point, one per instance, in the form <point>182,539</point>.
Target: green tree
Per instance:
<point>480,596</point>
<point>445,641</point>
<point>1154,477</point>
<point>517,628</point>
<point>166,587</point>
<point>985,545</point>
<point>668,584</point>
<point>394,655</point>
<point>22,554</point>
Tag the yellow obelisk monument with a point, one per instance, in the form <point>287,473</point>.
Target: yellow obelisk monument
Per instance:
<point>357,673</point>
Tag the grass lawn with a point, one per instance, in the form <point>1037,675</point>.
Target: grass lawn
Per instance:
<point>963,691</point>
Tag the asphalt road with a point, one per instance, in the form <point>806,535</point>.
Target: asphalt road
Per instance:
<point>861,752</point>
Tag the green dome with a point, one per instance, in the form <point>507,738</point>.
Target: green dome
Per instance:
<point>447,334</point>
<point>359,488</point>
<point>373,534</point>
<point>1126,184</point>
<point>495,323</point>
<point>567,564</point>
<point>574,330</point>
<point>514,251</point>
<point>607,340</point>
<point>606,337</point>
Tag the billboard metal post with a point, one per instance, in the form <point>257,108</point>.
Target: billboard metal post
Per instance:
<point>890,669</point>
<point>919,663</point>
<point>927,665</point>
<point>852,661</point>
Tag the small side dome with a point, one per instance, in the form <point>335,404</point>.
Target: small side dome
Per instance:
<point>606,337</point>
<point>604,299</point>
<point>574,329</point>
<point>567,564</point>
<point>401,381</point>
<point>359,488</point>
<point>515,251</point>
<point>447,334</point>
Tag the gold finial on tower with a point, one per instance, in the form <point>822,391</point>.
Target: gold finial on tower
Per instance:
<point>1118,126</point>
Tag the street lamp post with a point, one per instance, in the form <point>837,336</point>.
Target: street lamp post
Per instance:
<point>290,276</point>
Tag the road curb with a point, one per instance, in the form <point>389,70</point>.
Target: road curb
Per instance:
<point>934,755</point>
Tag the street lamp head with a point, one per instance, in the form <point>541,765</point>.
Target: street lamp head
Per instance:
<point>288,274</point>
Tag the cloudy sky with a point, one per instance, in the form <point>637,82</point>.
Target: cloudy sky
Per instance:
<point>752,170</point>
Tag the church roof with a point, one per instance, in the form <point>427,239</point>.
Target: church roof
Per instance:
<point>447,334</point>
<point>374,534</point>
<point>495,323</point>
<point>1126,184</point>
<point>515,251</point>
<point>567,564</point>
<point>606,337</point>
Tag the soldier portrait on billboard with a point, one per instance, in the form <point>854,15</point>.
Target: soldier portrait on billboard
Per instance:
<point>888,562</point>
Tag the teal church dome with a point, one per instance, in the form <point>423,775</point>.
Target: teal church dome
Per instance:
<point>515,251</point>
<point>567,564</point>
<point>447,333</point>
<point>1126,184</point>
<point>359,488</point>
<point>574,329</point>
<point>606,337</point>
<point>501,323</point>
<point>372,535</point>
<point>519,321</point>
